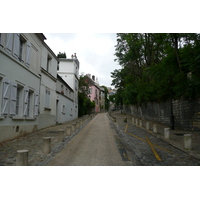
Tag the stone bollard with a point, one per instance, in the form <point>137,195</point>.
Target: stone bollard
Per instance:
<point>61,135</point>
<point>167,133</point>
<point>68,130</point>
<point>81,122</point>
<point>46,145</point>
<point>140,123</point>
<point>133,120</point>
<point>136,121</point>
<point>125,119</point>
<point>22,158</point>
<point>155,128</point>
<point>74,126</point>
<point>188,141</point>
<point>147,125</point>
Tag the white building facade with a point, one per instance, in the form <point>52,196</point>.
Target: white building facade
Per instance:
<point>19,84</point>
<point>30,90</point>
<point>49,65</point>
<point>64,101</point>
<point>69,72</point>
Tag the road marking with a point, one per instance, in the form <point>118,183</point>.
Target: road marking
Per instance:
<point>153,149</point>
<point>145,140</point>
<point>121,149</point>
<point>124,154</point>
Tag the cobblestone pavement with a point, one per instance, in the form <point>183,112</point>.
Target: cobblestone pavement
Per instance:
<point>149,149</point>
<point>33,142</point>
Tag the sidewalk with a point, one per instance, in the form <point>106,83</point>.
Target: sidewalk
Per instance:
<point>34,144</point>
<point>176,136</point>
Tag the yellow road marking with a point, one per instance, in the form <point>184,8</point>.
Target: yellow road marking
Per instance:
<point>145,140</point>
<point>125,156</point>
<point>152,148</point>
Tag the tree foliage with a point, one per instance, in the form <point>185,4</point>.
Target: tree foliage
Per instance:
<point>156,66</point>
<point>61,55</point>
<point>85,106</point>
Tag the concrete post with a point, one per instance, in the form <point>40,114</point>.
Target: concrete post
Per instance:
<point>140,123</point>
<point>68,130</point>
<point>46,145</point>
<point>147,125</point>
<point>61,135</point>
<point>167,133</point>
<point>136,121</point>
<point>188,141</point>
<point>73,127</point>
<point>155,128</point>
<point>125,119</point>
<point>22,158</point>
<point>80,122</point>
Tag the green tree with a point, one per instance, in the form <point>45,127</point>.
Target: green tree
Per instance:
<point>85,106</point>
<point>155,66</point>
<point>61,55</point>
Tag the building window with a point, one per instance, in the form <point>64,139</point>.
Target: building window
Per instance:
<point>19,100</point>
<point>20,49</point>
<point>28,102</point>
<point>63,109</point>
<point>47,98</point>
<point>48,62</point>
<point>62,89</point>
<point>66,92</point>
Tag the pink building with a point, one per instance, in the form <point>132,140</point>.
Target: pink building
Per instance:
<point>94,91</point>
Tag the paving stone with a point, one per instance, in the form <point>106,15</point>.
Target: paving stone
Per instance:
<point>178,157</point>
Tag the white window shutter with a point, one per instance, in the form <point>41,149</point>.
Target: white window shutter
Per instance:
<point>16,45</point>
<point>6,96</point>
<point>26,91</point>
<point>28,53</point>
<point>9,42</point>
<point>13,98</point>
<point>36,104</point>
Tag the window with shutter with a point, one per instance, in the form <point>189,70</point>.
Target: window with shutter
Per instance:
<point>6,96</point>
<point>26,94</point>
<point>28,53</point>
<point>16,45</point>
<point>13,98</point>
<point>9,42</point>
<point>36,104</point>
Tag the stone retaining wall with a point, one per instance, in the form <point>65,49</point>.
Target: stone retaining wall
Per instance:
<point>186,113</point>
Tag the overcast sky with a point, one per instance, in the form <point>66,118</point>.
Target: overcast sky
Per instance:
<point>95,52</point>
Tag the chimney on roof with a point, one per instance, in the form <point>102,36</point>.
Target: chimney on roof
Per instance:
<point>93,77</point>
<point>74,56</point>
<point>89,75</point>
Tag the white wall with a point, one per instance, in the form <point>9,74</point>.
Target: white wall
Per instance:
<point>69,71</point>
<point>47,115</point>
<point>17,73</point>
